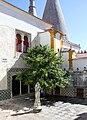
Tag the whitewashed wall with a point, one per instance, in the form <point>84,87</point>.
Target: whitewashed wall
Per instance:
<point>76,63</point>
<point>21,20</point>
<point>65,48</point>
<point>7,42</point>
<point>79,63</point>
<point>65,57</point>
<point>18,24</point>
<point>44,38</point>
<point>12,19</point>
<point>7,54</point>
<point>7,49</point>
<point>57,44</point>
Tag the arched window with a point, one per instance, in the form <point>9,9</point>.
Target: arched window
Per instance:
<point>18,43</point>
<point>25,44</point>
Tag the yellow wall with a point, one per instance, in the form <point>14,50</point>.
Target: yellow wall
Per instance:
<point>70,59</point>
<point>61,45</point>
<point>53,41</point>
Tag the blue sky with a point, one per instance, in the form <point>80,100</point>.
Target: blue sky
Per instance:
<point>75,13</point>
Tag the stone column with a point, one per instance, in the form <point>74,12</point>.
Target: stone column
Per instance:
<point>20,87</point>
<point>22,37</point>
<point>28,88</point>
<point>29,40</point>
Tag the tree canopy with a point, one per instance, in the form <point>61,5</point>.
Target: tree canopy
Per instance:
<point>44,68</point>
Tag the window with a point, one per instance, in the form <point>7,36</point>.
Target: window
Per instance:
<point>25,44</point>
<point>18,43</point>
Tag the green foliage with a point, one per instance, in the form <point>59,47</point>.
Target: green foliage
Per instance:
<point>44,64</point>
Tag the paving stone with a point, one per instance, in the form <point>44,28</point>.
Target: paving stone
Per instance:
<point>58,111</point>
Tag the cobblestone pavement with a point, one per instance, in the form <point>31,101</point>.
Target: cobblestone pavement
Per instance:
<point>52,109</point>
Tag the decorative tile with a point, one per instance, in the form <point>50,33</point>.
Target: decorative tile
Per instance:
<point>68,91</point>
<point>6,94</point>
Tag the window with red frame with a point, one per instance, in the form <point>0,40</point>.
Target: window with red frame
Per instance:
<point>25,44</point>
<point>18,43</point>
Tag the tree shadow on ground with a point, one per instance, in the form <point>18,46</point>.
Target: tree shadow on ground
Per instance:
<point>27,102</point>
<point>49,100</point>
<point>17,104</point>
<point>82,116</point>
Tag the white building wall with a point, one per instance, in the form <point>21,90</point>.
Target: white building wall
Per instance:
<point>7,50</point>
<point>65,57</point>
<point>65,48</point>
<point>44,38</point>
<point>18,24</point>
<point>12,19</point>
<point>7,42</point>
<point>79,63</point>
<point>21,20</point>
<point>57,45</point>
<point>76,50</point>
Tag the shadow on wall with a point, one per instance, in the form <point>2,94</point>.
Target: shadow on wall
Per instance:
<point>3,83</point>
<point>35,41</point>
<point>18,64</point>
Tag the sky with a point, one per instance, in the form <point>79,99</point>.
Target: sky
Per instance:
<point>75,14</point>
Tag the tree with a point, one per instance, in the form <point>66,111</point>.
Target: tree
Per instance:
<point>44,68</point>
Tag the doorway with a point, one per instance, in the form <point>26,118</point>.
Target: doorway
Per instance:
<point>80,92</point>
<point>18,88</point>
<point>15,86</point>
<point>57,91</point>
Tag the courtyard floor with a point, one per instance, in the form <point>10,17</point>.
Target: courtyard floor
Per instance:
<point>53,108</point>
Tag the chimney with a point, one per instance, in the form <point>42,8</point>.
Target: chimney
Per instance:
<point>32,8</point>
